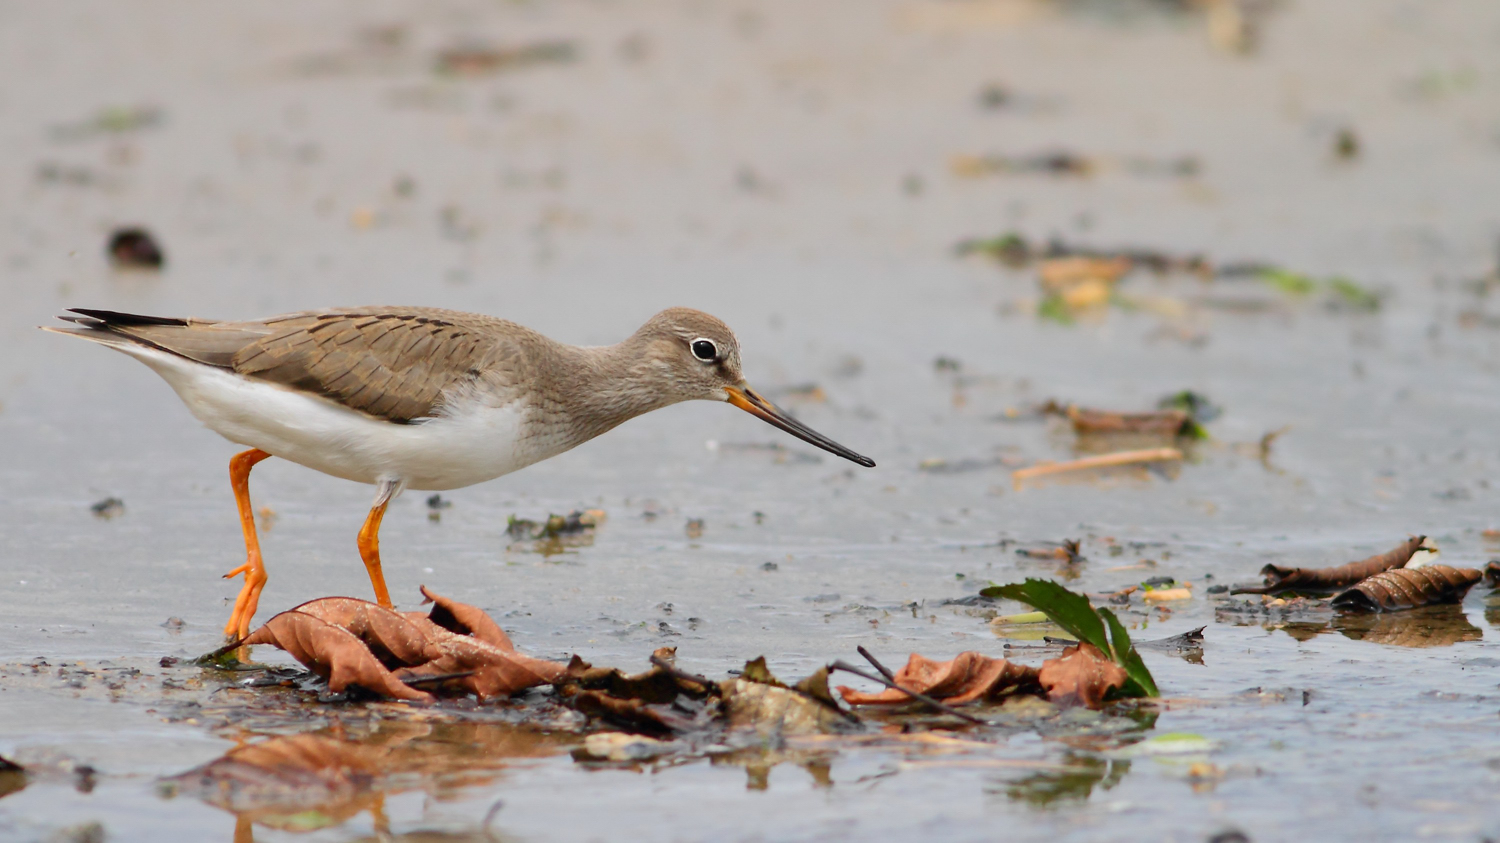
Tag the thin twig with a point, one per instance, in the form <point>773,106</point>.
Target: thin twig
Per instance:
<point>677,673</point>
<point>1021,475</point>
<point>943,707</point>
<point>884,671</point>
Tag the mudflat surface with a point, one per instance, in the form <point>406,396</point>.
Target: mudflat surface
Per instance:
<point>805,173</point>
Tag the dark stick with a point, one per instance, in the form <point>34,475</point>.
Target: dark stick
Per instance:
<point>884,671</point>
<point>441,677</point>
<point>943,707</point>
<point>676,673</point>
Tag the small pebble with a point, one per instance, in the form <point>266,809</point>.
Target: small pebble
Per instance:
<point>135,248</point>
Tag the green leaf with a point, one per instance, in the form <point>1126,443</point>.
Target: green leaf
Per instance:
<point>1141,683</point>
<point>1078,617</point>
<point>1287,281</point>
<point>1354,295</point>
<point>1070,611</point>
<point>1010,248</point>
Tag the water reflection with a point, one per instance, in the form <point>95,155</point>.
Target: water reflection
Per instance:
<point>1492,609</point>
<point>1429,626</point>
<point>316,780</point>
<point>1076,783</point>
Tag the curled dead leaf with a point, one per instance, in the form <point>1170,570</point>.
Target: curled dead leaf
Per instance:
<point>354,642</point>
<point>1406,588</point>
<point>656,685</point>
<point>333,653</point>
<point>635,715</point>
<point>1081,676</point>
<point>656,701</point>
<point>1282,578</point>
<point>390,636</point>
<point>488,670</point>
<point>967,677</point>
<point>463,619</point>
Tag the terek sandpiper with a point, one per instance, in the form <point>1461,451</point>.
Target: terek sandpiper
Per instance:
<point>421,398</point>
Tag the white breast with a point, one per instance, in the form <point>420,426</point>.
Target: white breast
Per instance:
<point>475,444</point>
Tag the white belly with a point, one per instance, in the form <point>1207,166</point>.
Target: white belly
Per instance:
<point>479,444</point>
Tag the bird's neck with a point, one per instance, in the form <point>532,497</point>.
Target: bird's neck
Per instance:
<point>607,386</point>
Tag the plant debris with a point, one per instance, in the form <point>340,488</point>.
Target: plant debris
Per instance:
<point>577,521</point>
<point>1066,550</point>
<point>559,532</point>
<point>1016,251</point>
<point>1119,458</point>
<point>357,644</point>
<point>1082,676</point>
<point>968,677</point>
<point>115,120</point>
<point>335,654</point>
<point>108,508</point>
<point>1065,163</point>
<point>1074,614</point>
<point>1407,588</point>
<point>481,60</point>
<point>1281,578</point>
<point>1162,422</point>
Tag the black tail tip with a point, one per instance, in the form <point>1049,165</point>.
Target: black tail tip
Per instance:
<point>107,318</point>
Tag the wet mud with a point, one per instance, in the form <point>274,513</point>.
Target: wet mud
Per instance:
<point>934,229</point>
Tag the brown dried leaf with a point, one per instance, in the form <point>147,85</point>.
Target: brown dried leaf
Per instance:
<point>466,620</point>
<point>655,686</point>
<point>969,676</point>
<point>1162,422</point>
<point>636,715</point>
<point>1407,588</point>
<point>391,637</point>
<point>333,653</point>
<point>1081,676</point>
<point>492,671</point>
<point>1282,578</point>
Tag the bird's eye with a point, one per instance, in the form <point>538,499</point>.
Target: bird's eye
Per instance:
<point>705,350</point>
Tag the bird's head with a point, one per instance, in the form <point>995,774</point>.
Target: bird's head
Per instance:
<point>695,356</point>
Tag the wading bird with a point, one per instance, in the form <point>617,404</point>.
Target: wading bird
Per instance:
<point>421,398</point>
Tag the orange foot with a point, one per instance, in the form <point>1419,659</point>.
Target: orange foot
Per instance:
<point>248,601</point>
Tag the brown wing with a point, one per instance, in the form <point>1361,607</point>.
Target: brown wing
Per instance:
<point>394,363</point>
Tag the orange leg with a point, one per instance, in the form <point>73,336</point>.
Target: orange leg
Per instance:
<point>253,569</point>
<point>369,547</point>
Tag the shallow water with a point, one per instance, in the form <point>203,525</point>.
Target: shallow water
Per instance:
<point>788,170</point>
